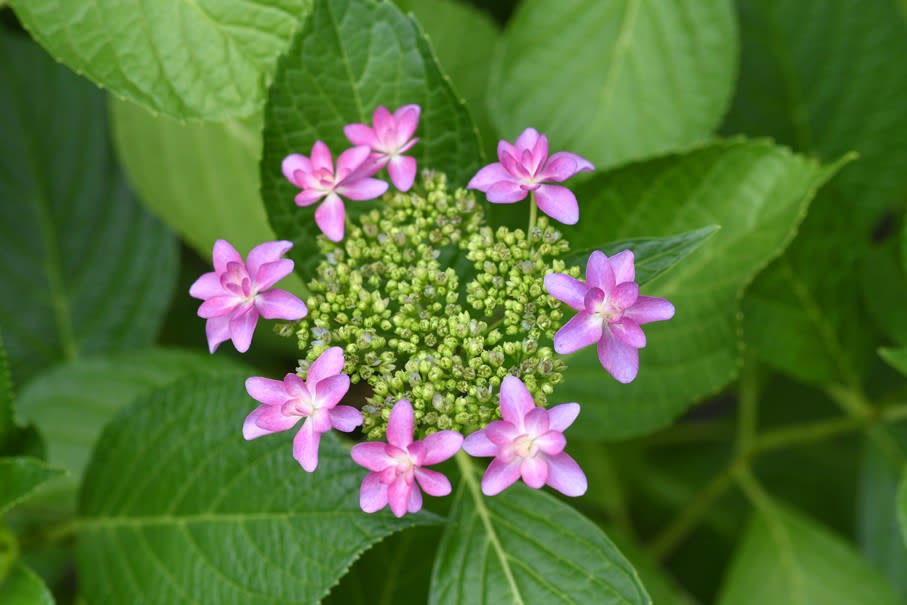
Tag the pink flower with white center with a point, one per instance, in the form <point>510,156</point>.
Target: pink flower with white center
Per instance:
<point>525,167</point>
<point>391,137</point>
<point>397,467</point>
<point>529,443</point>
<point>318,179</point>
<point>236,293</point>
<point>284,402</point>
<point>610,311</point>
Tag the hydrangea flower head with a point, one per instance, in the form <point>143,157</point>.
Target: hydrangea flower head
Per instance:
<point>236,293</point>
<point>389,139</point>
<point>525,167</point>
<point>284,403</point>
<point>609,312</point>
<point>397,467</point>
<point>529,443</point>
<point>318,179</point>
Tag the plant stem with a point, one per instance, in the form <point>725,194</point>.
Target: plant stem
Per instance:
<point>533,213</point>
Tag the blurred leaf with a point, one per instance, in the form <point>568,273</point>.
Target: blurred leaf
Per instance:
<point>208,59</point>
<point>19,477</point>
<point>653,255</point>
<point>7,425</point>
<point>350,57</point>
<point>90,270</point>
<point>173,490</point>
<point>615,80</point>
<point>787,558</point>
<point>884,291</point>
<point>663,588</point>
<point>24,587</point>
<point>757,193</point>
<point>525,546</point>
<point>902,505</point>
<point>896,358</point>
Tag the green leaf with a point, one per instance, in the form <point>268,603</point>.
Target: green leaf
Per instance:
<point>884,285</point>
<point>7,425</point>
<point>524,546</point>
<point>663,588</point>
<point>206,60</point>
<point>19,477</point>
<point>615,80</point>
<point>24,587</point>
<point>787,558</point>
<point>173,490</point>
<point>350,57</point>
<point>902,505</point>
<point>757,193</point>
<point>896,358</point>
<point>90,269</point>
<point>653,255</point>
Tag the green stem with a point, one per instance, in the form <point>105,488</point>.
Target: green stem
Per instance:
<point>533,212</point>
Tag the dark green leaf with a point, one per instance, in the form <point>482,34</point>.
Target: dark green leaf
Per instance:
<point>24,587</point>
<point>902,505</point>
<point>19,477</point>
<point>7,425</point>
<point>896,358</point>
<point>350,57</point>
<point>174,491</point>
<point>89,269</point>
<point>884,285</point>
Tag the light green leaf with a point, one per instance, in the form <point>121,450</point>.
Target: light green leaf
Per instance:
<point>790,559</point>
<point>206,59</point>
<point>896,358</point>
<point>524,546</point>
<point>350,57</point>
<point>615,80</point>
<point>19,477</point>
<point>88,268</point>
<point>653,255</point>
<point>173,490</point>
<point>757,193</point>
<point>24,587</point>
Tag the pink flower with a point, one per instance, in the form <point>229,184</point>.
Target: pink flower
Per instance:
<point>528,442</point>
<point>610,312</point>
<point>526,167</point>
<point>315,399</point>
<point>317,179</point>
<point>391,137</point>
<point>236,293</point>
<point>396,467</point>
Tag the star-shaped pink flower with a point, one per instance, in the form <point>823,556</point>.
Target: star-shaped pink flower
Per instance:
<point>391,137</point>
<point>284,403</point>
<point>525,167</point>
<point>529,443</point>
<point>318,179</point>
<point>397,467</point>
<point>610,311</point>
<point>236,293</point>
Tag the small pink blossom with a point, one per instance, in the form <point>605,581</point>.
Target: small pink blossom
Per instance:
<point>284,402</point>
<point>524,167</point>
<point>317,179</point>
<point>391,137</point>
<point>610,311</point>
<point>236,293</point>
<point>397,467</point>
<point>529,443</point>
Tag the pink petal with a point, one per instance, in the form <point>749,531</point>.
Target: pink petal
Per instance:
<point>398,493</point>
<point>516,401</point>
<point>305,446</point>
<point>273,420</point>
<point>551,442</point>
<point>536,422</point>
<point>527,139</point>
<point>534,471</point>
<point>621,360</point>
<point>501,432</point>
<point>629,332</point>
<point>558,202</point>
<point>488,176</point>
<point>360,134</point>
<point>250,428</point>
<point>329,391</point>
<point>407,118</point>
<point>514,167</point>
<point>432,482</point>
<point>479,445</point>
<point>217,330</point>
<point>402,170</point>
<point>561,416</point>
<point>223,254</point>
<point>593,300</point>
<point>539,154</point>
<point>293,163</point>
<point>505,148</point>
<point>648,309</point>
<point>582,330</point>
<point>350,160</point>
<point>268,252</point>
<point>219,305</point>
<point>330,216</point>
<point>345,418</point>
<point>622,264</point>
<point>562,165</point>
<point>280,304</point>
<point>206,286</point>
<point>362,189</point>
<point>565,475</point>
<point>414,504</point>
<point>267,391</point>
<point>500,475</point>
<point>307,197</point>
<point>321,158</point>
<point>270,273</point>
<point>383,122</point>
<point>329,363</point>
<point>242,326</point>
<point>372,493</point>
<point>566,289</point>
<point>440,446</point>
<point>506,192</point>
<point>372,455</point>
<point>599,273</point>
<point>400,424</point>
<point>625,294</point>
